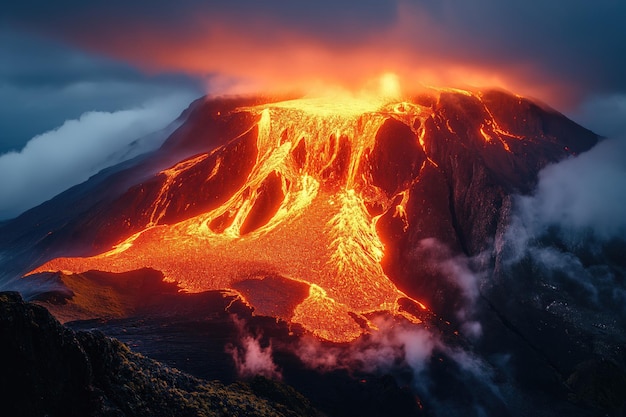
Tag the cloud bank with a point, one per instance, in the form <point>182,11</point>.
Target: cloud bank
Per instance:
<point>68,155</point>
<point>43,83</point>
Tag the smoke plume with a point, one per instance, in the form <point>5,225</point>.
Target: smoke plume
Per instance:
<point>392,346</point>
<point>399,346</point>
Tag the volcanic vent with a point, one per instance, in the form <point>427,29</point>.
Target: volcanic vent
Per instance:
<point>311,209</point>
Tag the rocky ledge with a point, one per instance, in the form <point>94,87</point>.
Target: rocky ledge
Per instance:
<point>47,369</point>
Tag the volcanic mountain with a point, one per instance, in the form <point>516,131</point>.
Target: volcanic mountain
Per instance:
<point>324,215</point>
<point>312,209</point>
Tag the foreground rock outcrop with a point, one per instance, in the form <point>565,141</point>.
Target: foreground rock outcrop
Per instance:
<point>48,370</point>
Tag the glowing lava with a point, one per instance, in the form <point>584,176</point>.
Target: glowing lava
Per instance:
<point>302,210</point>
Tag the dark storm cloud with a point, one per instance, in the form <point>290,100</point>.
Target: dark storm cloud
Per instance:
<point>44,83</point>
<point>323,18</point>
<point>579,40</point>
<point>29,61</point>
<point>65,114</point>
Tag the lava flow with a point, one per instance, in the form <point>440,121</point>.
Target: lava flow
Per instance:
<point>299,213</point>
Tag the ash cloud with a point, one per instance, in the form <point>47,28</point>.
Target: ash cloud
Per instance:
<point>79,148</point>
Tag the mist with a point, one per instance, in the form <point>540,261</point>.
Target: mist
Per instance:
<point>433,360</point>
<point>581,196</point>
<point>249,356</point>
<point>68,155</point>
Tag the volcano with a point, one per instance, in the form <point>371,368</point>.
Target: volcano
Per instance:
<point>325,199</point>
<point>312,211</point>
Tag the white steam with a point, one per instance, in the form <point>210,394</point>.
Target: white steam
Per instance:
<point>397,347</point>
<point>56,160</point>
<point>573,227</point>
<point>250,357</point>
<point>391,346</point>
<point>458,271</point>
<point>583,195</point>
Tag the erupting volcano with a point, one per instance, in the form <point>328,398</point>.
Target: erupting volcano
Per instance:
<point>362,248</point>
<point>311,209</point>
<point>362,209</point>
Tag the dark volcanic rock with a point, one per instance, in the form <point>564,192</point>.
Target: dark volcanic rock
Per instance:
<point>44,369</point>
<point>270,196</point>
<point>601,384</point>
<point>48,370</point>
<point>396,158</point>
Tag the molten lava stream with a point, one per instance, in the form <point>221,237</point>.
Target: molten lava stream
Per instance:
<point>320,247</point>
<point>321,236</point>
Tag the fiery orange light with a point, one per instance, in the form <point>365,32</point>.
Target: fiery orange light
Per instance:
<point>258,55</point>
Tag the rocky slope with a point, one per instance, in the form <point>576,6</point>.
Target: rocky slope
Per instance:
<point>48,370</point>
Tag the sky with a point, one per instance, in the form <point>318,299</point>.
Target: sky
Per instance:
<point>79,81</point>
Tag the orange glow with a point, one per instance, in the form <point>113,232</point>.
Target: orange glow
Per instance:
<point>390,85</point>
<point>320,235</point>
<point>485,135</point>
<point>412,52</point>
